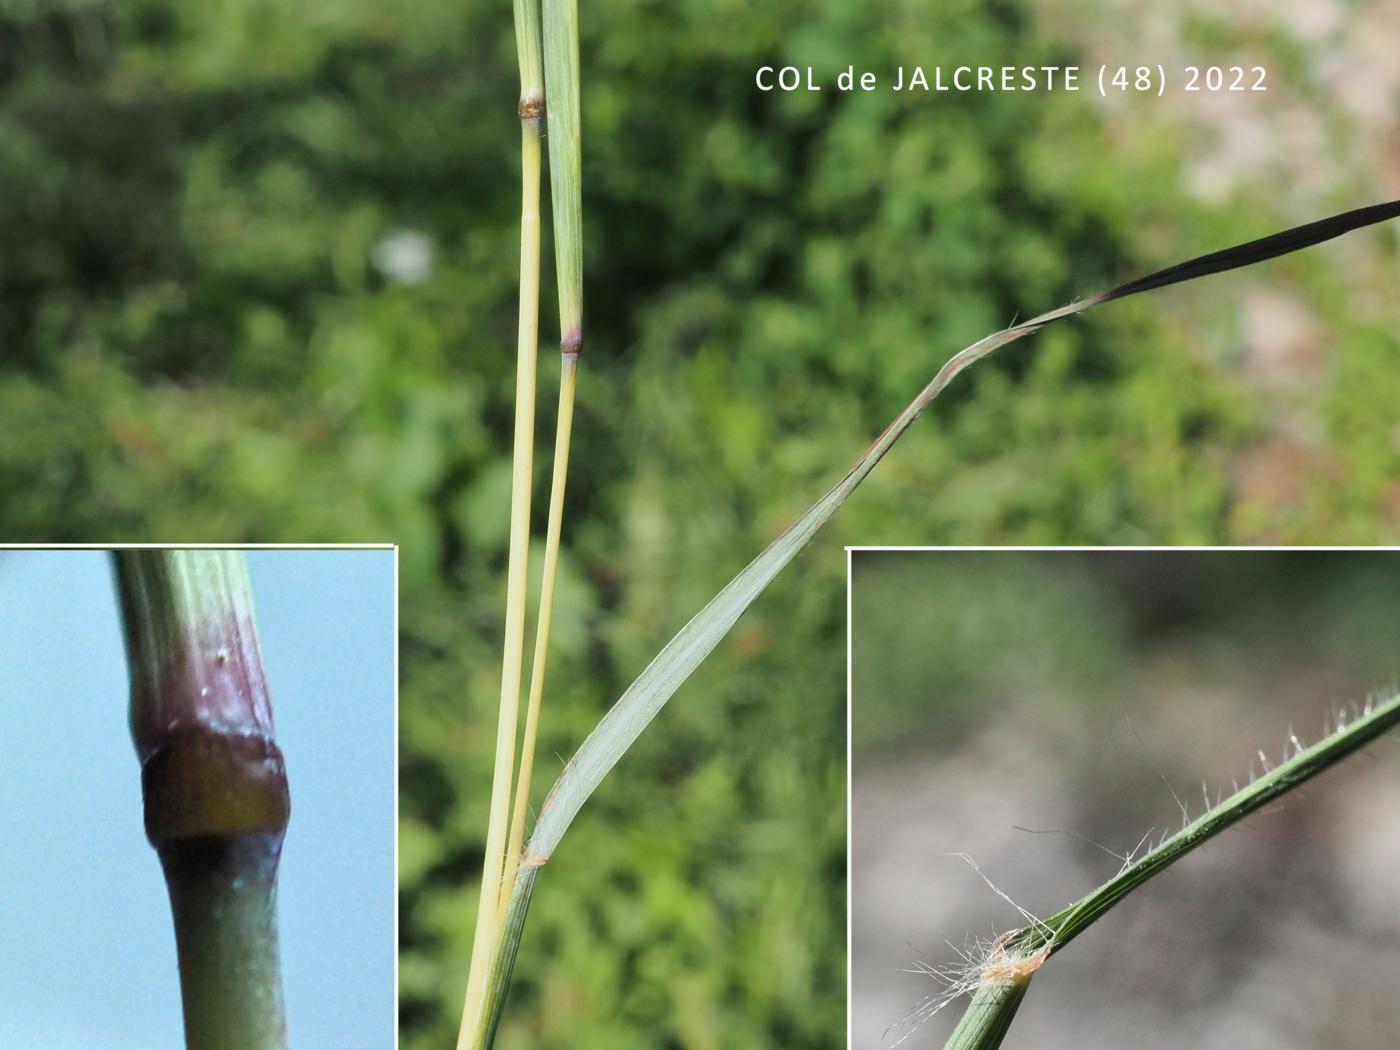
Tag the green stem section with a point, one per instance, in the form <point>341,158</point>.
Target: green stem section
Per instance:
<point>223,893</point>
<point>561,64</point>
<point>988,1017</point>
<point>214,785</point>
<point>497,935</point>
<point>502,962</point>
<point>553,533</point>
<point>1051,935</point>
<point>493,864</point>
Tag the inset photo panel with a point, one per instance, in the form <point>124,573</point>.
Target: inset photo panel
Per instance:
<point>199,793</point>
<point>1144,798</point>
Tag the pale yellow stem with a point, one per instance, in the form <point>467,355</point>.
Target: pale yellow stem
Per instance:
<point>514,649</point>
<point>567,384</point>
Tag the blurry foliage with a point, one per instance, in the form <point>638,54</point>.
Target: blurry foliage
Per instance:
<point>198,341</point>
<point>945,644</point>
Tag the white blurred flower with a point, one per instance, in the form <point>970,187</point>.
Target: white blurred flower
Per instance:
<point>405,256</point>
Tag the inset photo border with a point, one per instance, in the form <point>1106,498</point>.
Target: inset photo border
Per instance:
<point>1101,746</point>
<point>222,683</point>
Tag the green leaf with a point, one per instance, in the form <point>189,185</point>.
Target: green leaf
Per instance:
<point>658,682</point>
<point>676,662</point>
<point>989,1015</point>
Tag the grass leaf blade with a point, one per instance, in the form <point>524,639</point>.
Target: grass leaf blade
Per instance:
<point>1061,928</point>
<point>563,108</point>
<point>640,703</point>
<point>988,1015</point>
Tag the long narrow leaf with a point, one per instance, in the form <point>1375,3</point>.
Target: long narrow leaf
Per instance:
<point>658,682</point>
<point>999,984</point>
<point>561,88</point>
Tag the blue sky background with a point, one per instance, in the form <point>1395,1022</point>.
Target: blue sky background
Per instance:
<point>89,957</point>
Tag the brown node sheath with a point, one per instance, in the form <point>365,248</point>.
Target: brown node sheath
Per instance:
<point>203,784</point>
<point>530,108</point>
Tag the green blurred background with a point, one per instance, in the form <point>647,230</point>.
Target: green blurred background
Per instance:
<point>257,282</point>
<point>1079,695</point>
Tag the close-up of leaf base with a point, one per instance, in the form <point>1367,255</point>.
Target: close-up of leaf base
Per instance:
<point>214,784</point>
<point>999,977</point>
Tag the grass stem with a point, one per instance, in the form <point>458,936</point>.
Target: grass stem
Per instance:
<point>563,106</point>
<point>567,384</point>
<point>529,109</point>
<point>989,1015</point>
<point>493,952</point>
<point>214,785</point>
<point>503,957</point>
